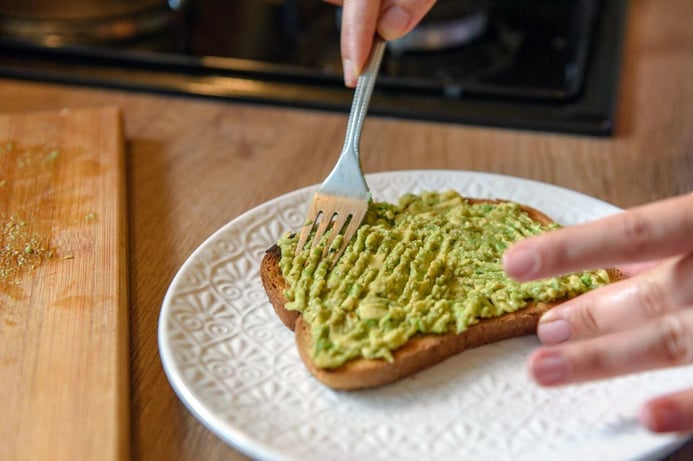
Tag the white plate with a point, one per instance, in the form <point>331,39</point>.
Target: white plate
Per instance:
<point>235,366</point>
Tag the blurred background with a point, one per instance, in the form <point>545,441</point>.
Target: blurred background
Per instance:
<point>531,64</point>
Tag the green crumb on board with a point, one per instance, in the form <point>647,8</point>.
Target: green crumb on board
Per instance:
<point>22,248</point>
<point>25,243</point>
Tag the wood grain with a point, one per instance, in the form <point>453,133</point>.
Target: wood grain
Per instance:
<point>193,165</point>
<point>63,323</point>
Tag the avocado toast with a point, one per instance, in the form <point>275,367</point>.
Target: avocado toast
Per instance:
<point>420,282</point>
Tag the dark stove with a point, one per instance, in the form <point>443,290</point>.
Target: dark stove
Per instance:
<point>545,65</point>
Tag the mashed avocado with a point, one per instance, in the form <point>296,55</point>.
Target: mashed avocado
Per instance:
<point>430,264</point>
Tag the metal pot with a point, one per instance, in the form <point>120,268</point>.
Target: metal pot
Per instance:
<point>450,23</point>
<point>53,23</point>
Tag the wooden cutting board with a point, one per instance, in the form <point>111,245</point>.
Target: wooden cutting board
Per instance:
<point>63,287</point>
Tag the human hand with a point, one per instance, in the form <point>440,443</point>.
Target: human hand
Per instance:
<point>362,18</point>
<point>640,323</point>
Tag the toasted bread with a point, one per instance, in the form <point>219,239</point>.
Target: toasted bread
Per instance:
<point>420,352</point>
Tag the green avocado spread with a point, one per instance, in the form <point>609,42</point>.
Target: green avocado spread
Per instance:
<point>429,264</point>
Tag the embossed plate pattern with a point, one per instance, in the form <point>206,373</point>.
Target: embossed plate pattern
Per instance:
<point>235,366</point>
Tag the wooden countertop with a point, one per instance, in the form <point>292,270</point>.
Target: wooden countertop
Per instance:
<point>193,165</point>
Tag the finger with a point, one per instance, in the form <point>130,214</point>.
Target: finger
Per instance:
<point>621,305</point>
<point>359,18</point>
<point>653,231</point>
<point>400,16</point>
<point>664,342</point>
<point>669,413</point>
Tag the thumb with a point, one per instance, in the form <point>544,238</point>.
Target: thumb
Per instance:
<point>400,16</point>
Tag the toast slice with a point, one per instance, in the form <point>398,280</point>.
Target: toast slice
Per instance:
<point>420,352</point>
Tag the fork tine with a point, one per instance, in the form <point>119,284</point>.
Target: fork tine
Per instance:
<point>322,227</point>
<point>337,225</point>
<point>356,218</point>
<point>306,230</point>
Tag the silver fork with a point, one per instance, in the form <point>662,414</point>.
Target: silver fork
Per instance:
<point>343,196</point>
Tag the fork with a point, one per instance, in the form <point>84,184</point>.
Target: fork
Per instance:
<point>343,197</point>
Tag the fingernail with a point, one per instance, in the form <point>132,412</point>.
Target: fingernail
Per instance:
<point>661,416</point>
<point>521,263</point>
<point>349,76</point>
<point>554,331</point>
<point>393,23</point>
<point>549,368</point>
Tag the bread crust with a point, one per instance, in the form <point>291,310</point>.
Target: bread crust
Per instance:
<point>420,352</point>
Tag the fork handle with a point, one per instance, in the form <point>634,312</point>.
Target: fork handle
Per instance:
<point>362,96</point>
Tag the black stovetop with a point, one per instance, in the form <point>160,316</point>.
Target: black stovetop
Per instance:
<point>540,65</point>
